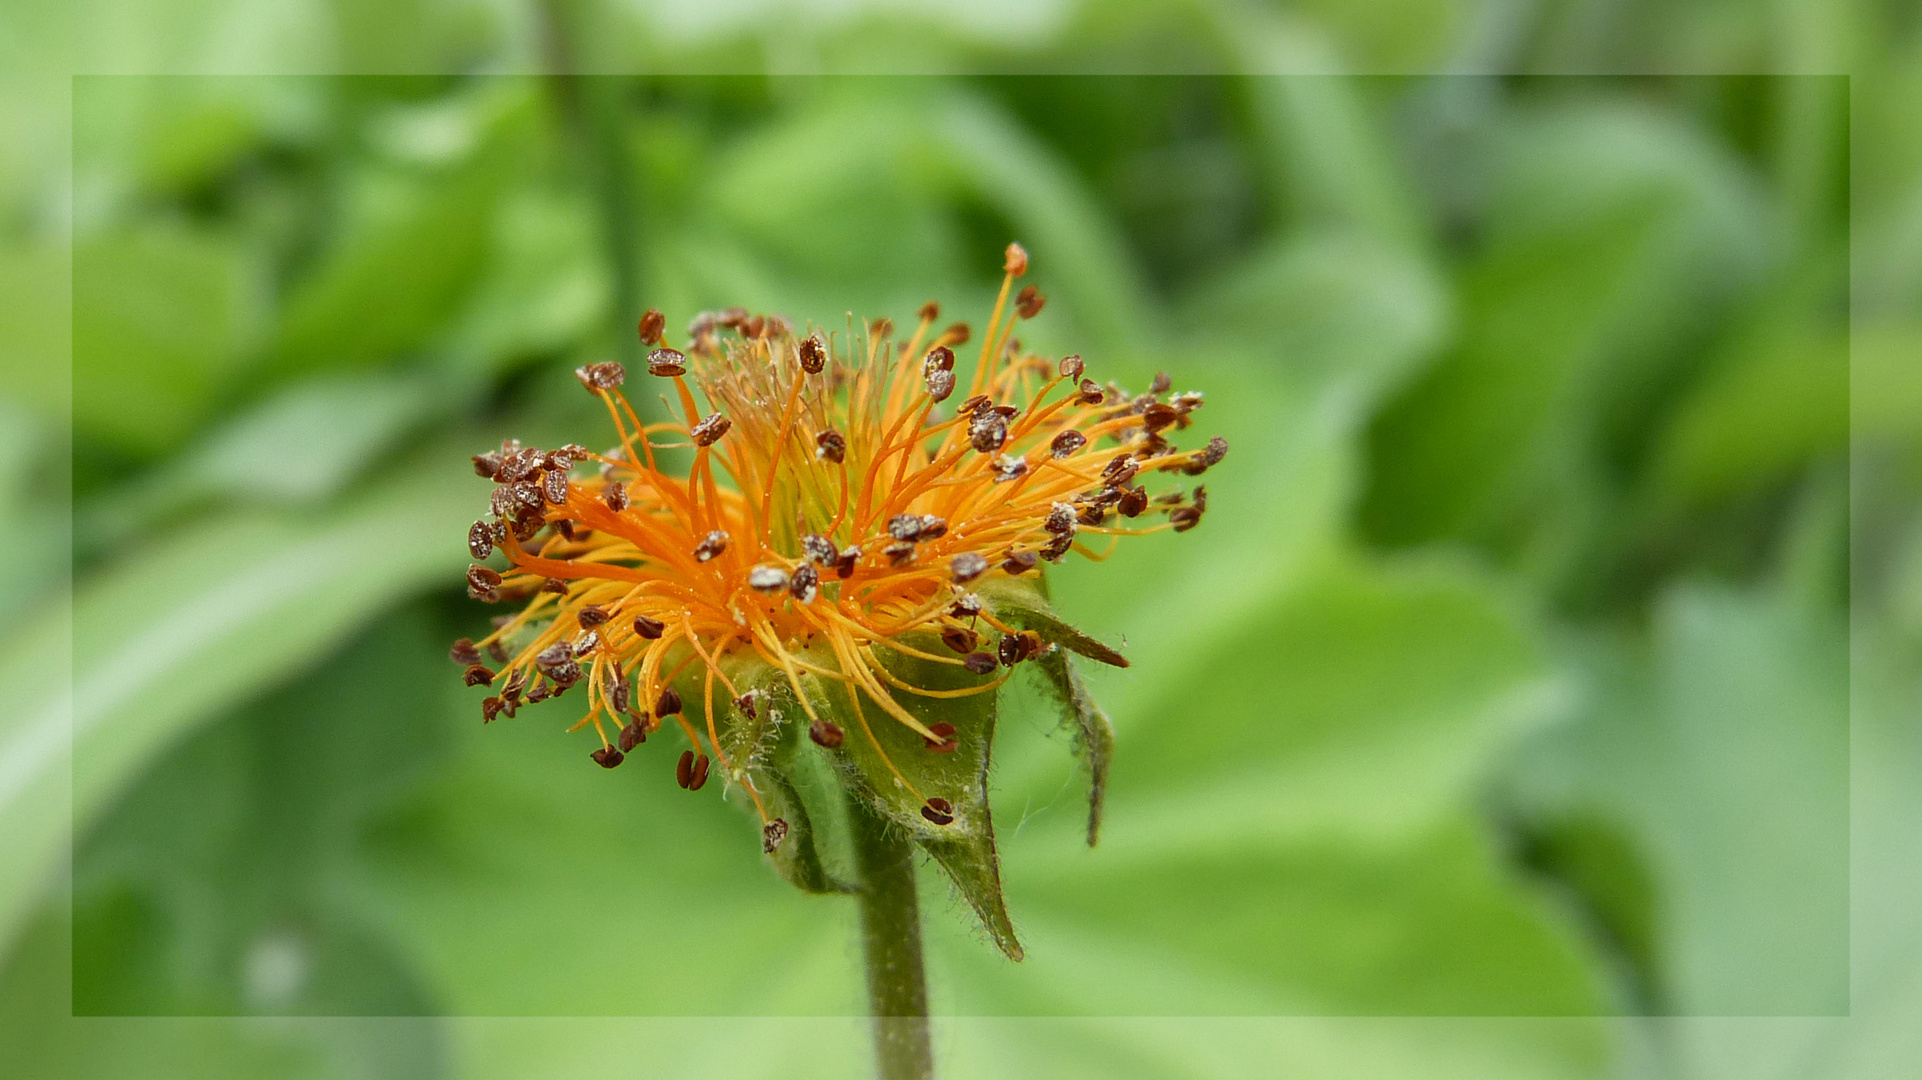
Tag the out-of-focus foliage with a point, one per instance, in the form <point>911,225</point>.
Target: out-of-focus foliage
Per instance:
<point>1510,675</point>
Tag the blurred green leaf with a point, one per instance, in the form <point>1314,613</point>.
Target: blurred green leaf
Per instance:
<point>36,323</point>
<point>160,316</point>
<point>387,285</point>
<point>1725,761</point>
<point>1759,417</point>
<point>199,622</point>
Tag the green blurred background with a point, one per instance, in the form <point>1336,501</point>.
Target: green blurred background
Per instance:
<point>1544,682</point>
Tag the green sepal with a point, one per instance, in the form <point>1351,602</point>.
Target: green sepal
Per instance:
<point>1093,733</point>
<point>1023,603</point>
<point>768,749</point>
<point>964,848</point>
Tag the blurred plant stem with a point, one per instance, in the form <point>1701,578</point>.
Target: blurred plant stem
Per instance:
<point>891,947</point>
<point>591,111</point>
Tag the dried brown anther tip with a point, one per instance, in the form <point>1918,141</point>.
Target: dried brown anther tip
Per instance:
<point>648,628</point>
<point>607,757</point>
<point>666,363</point>
<point>1016,262</point>
<point>772,834</point>
<point>938,811</point>
<point>826,733</point>
<point>710,429</point>
<point>668,703</point>
<point>651,325</point>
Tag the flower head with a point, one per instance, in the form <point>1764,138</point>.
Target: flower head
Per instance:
<point>846,503</point>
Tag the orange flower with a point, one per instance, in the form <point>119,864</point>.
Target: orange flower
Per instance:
<point>835,504</point>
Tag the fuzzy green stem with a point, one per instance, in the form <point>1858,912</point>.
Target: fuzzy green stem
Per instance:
<point>891,944</point>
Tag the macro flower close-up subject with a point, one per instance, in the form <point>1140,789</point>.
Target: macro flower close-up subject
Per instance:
<point>848,566</point>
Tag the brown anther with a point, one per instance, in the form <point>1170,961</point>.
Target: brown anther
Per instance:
<point>565,528</point>
<point>973,405</point>
<point>1133,502</point>
<point>1065,443</point>
<point>813,354</point>
<point>772,834</point>
<point>699,778</point>
<point>947,743</point>
<point>668,703</point>
<point>684,769</point>
<point>899,553</point>
<point>1019,562</point>
<point>881,328</point>
<point>932,527</point>
<point>652,324</point>
<point>988,431</point>
<point>614,495</point>
<point>830,445</point>
<point>940,384</point>
<point>929,312</point>
<point>1120,469</point>
<point>477,675</point>
<point>1092,515</point>
<point>600,378</point>
<point>960,639</point>
<point>607,757</point>
<point>666,362</point>
<point>464,652</point>
<point>1207,457</point>
<point>1057,547</point>
<point>805,584</point>
<point>1060,519</point>
<point>958,333</point>
<point>497,652</point>
<point>819,549</point>
<point>767,579</point>
<point>483,584</point>
<point>1184,518</point>
<point>1072,367</point>
<point>1029,302</point>
<point>490,708</point>
<point>1008,468</point>
<point>487,465</point>
<point>554,486</point>
<point>745,703</point>
<point>966,567</point>
<point>1088,393</point>
<point>753,327</point>
<point>1016,263</point>
<point>591,616</point>
<point>826,733</point>
<point>711,545</point>
<point>905,526</point>
<point>938,811</point>
<point>555,655</point>
<point>1159,417</point>
<point>1200,501</point>
<point>1160,384</point>
<point>939,358</point>
<point>710,429</point>
<point>844,563</point>
<point>633,735</point>
<point>1008,650</point>
<point>648,628</point>
<point>539,693</point>
<point>587,643</point>
<point>480,539</point>
<point>619,697</point>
